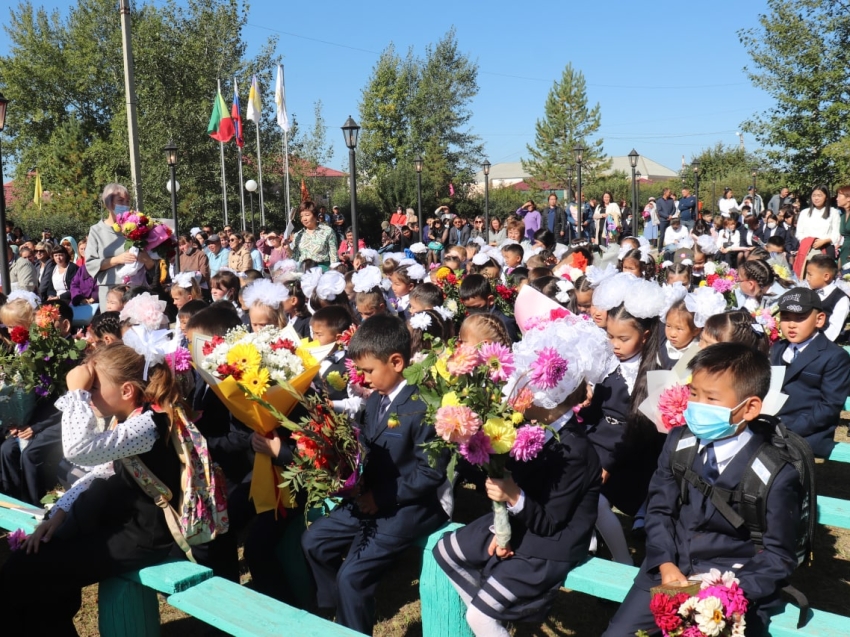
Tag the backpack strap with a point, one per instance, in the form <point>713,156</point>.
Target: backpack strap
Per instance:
<point>161,495</point>
<point>682,459</point>
<point>755,484</point>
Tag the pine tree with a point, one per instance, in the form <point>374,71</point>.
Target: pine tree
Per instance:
<point>567,122</point>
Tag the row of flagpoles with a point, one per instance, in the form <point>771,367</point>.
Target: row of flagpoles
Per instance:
<point>226,125</point>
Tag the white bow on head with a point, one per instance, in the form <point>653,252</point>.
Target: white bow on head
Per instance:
<point>153,345</point>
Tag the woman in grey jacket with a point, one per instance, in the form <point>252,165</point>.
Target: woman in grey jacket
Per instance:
<point>105,252</point>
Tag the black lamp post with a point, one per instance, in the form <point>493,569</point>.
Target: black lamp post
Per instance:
<point>4,248</point>
<point>486,168</point>
<point>350,130</point>
<point>695,168</point>
<point>171,158</point>
<point>755,173</point>
<point>637,217</point>
<point>579,154</point>
<point>417,163</point>
<point>633,160</point>
<point>568,197</point>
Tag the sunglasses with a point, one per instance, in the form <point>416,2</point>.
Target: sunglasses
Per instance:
<point>40,251</point>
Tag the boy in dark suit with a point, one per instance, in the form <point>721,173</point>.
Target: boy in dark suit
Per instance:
<point>686,534</point>
<point>398,498</point>
<point>817,374</point>
<point>477,296</point>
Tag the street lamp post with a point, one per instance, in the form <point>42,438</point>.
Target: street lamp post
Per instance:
<point>638,217</point>
<point>417,163</point>
<point>695,168</point>
<point>579,155</point>
<point>4,249</point>
<point>251,187</point>
<point>755,174</point>
<point>486,168</point>
<point>350,130</point>
<point>633,160</point>
<point>171,158</point>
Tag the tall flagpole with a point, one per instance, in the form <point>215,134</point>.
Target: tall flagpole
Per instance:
<point>240,134</point>
<point>283,122</point>
<point>286,174</point>
<point>260,169</point>
<point>223,182</point>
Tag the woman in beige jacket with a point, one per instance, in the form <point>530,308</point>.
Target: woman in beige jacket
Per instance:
<point>240,255</point>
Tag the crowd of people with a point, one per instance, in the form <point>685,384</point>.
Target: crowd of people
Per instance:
<point>728,293</point>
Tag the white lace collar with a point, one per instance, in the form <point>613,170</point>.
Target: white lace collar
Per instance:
<point>629,369</point>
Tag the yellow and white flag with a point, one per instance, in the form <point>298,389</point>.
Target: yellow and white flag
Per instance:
<point>280,100</point>
<point>255,106</point>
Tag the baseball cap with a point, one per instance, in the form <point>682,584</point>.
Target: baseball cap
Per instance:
<point>385,225</point>
<point>800,301</point>
<point>214,238</point>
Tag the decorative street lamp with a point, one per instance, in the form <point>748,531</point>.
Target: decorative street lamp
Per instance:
<point>695,168</point>
<point>633,160</point>
<point>579,155</point>
<point>350,130</point>
<point>755,174</point>
<point>251,187</point>
<point>417,163</point>
<point>171,158</point>
<point>639,217</point>
<point>486,168</point>
<point>4,249</point>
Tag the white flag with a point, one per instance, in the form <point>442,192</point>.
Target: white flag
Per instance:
<point>280,100</point>
<point>254,103</point>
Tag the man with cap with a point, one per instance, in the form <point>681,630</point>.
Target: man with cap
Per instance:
<point>217,255</point>
<point>817,371</point>
<point>338,224</point>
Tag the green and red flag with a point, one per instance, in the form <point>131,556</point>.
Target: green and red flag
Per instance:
<point>220,127</point>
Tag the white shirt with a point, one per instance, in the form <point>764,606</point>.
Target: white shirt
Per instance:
<point>59,281</point>
<point>673,236</point>
<point>810,223</point>
<point>727,205</point>
<point>725,450</point>
<point>629,369</point>
<point>788,355</point>
<point>838,318</point>
<point>725,236</point>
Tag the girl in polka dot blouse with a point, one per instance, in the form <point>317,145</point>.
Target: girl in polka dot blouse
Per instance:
<point>105,524</point>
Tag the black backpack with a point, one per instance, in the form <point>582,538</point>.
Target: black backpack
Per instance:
<point>784,447</point>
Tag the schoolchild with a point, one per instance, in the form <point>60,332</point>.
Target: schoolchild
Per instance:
<point>398,500</point>
<point>476,294</point>
<point>483,328</point>
<point>817,374</point>
<point>821,272</point>
<point>327,325</point>
<point>687,536</point>
<point>425,296</point>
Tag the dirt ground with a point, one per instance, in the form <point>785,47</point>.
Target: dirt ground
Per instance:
<point>826,582</point>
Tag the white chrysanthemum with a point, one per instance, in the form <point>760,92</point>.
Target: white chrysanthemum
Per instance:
<point>451,306</point>
<point>420,321</point>
<point>445,312</point>
<point>710,267</point>
<point>709,616</point>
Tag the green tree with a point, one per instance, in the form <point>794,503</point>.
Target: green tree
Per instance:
<point>567,122</point>
<point>801,58</point>
<point>413,106</point>
<point>65,77</point>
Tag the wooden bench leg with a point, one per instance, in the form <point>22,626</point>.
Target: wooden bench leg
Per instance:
<point>127,609</point>
<point>443,611</point>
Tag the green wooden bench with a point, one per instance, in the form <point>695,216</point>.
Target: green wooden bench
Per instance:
<point>443,612</point>
<point>128,606</point>
<point>239,611</point>
<point>841,451</point>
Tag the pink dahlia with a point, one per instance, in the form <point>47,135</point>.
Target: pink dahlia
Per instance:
<point>355,376</point>
<point>529,441</point>
<point>16,539</point>
<point>464,359</point>
<point>672,404</point>
<point>549,368</point>
<point>499,361</point>
<point>723,285</point>
<point>456,424</point>
<point>180,360</point>
<point>477,449</point>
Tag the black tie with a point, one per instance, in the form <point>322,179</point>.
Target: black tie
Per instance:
<point>710,464</point>
<point>382,409</point>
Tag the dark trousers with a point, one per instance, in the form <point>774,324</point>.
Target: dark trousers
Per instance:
<point>28,475</point>
<point>268,574</point>
<point>58,573</point>
<point>662,228</point>
<point>350,585</point>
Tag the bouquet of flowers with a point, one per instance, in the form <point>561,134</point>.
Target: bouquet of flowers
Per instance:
<point>260,376</point>
<point>717,609</point>
<point>722,278</point>
<point>462,389</point>
<point>327,459</point>
<point>143,233</point>
<point>767,320</point>
<point>505,297</point>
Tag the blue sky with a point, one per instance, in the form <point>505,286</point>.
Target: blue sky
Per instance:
<point>658,92</point>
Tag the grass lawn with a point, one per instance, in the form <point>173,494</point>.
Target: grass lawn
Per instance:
<point>826,582</point>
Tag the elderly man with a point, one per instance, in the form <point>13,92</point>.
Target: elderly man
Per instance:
<point>22,273</point>
<point>217,255</point>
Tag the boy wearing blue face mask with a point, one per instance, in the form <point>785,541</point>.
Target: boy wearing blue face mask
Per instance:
<point>687,535</point>
<point>817,371</point>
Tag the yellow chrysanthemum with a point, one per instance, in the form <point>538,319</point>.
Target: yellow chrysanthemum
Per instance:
<point>336,381</point>
<point>256,381</point>
<point>245,357</point>
<point>702,284</point>
<point>517,418</point>
<point>116,227</point>
<point>129,227</point>
<point>442,273</point>
<point>501,434</point>
<point>450,400</point>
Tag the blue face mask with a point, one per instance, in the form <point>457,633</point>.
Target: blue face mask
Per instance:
<point>711,422</point>
<point>119,209</point>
